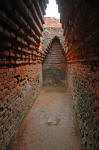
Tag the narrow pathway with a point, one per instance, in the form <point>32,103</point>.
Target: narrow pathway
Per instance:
<point>49,125</point>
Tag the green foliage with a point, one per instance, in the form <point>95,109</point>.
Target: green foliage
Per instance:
<point>46,30</point>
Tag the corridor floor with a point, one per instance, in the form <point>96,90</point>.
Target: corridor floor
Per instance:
<point>49,125</point>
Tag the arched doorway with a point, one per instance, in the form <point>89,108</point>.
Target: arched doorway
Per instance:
<point>54,64</point>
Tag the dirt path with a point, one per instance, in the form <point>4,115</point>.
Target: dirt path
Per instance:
<point>49,125</point>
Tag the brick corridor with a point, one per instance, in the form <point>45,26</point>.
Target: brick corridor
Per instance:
<point>49,125</point>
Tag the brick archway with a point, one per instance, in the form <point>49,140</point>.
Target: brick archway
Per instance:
<point>54,64</point>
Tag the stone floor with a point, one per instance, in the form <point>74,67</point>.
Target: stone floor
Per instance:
<point>49,125</point>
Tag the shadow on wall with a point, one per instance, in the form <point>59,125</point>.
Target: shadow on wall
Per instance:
<point>54,76</point>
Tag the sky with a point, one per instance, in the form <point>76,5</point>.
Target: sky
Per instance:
<point>52,9</point>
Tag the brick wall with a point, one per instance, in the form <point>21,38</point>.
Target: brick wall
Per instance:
<point>18,89</point>
<point>21,55</point>
<point>81,30</point>
<point>52,28</point>
<point>54,65</point>
<point>52,22</point>
<point>83,84</point>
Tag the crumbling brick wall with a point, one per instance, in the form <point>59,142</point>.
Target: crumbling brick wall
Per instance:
<point>52,22</point>
<point>52,28</point>
<point>19,88</point>
<point>80,21</point>
<point>21,55</point>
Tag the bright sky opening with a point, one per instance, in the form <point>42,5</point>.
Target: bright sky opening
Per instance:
<point>52,9</point>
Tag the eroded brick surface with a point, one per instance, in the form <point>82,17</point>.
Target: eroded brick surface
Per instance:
<point>21,55</point>
<point>52,28</point>
<point>81,30</point>
<point>19,88</point>
<point>83,82</point>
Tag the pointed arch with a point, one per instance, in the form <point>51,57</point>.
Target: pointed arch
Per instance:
<point>55,38</point>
